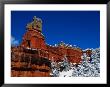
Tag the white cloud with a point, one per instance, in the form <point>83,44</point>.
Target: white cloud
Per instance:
<point>14,41</point>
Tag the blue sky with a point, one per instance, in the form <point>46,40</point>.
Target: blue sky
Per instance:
<point>80,28</point>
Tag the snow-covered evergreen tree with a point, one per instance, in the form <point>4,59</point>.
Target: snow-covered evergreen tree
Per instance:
<point>55,69</point>
<point>89,69</point>
<point>65,64</point>
<point>60,67</point>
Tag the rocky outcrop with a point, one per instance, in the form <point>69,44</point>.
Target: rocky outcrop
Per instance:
<point>33,56</point>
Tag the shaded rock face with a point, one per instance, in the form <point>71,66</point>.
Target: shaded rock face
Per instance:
<point>33,56</point>
<point>27,63</point>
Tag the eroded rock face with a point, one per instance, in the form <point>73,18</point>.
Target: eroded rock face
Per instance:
<point>27,62</point>
<point>33,56</point>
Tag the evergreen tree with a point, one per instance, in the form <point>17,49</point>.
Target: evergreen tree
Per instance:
<point>65,64</point>
<point>89,69</point>
<point>55,69</point>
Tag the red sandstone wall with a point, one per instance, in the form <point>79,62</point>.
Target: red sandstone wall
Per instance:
<point>37,41</point>
<point>73,55</point>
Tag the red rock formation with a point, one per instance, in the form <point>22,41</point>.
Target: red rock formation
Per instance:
<point>33,56</point>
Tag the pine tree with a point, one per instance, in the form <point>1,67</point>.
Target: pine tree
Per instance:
<point>65,64</point>
<point>55,69</point>
<point>89,69</point>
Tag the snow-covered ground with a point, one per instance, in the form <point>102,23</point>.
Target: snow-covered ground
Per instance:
<point>66,73</point>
